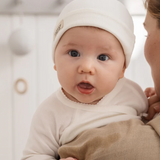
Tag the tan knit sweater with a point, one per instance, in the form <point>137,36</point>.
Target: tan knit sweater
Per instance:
<point>126,140</point>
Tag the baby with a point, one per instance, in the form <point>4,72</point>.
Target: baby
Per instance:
<point>93,43</point>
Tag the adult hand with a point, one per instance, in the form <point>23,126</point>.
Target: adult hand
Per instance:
<point>154,103</point>
<point>149,92</point>
<point>69,158</point>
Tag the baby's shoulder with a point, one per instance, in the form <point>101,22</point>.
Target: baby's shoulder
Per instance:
<point>131,85</point>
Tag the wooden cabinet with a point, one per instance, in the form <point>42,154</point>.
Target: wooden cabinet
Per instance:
<point>36,68</point>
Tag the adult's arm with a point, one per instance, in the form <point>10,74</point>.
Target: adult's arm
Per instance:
<point>131,140</point>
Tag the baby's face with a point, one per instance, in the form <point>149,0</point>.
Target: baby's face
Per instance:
<point>89,62</point>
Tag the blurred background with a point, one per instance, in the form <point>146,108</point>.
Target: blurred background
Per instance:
<point>27,76</point>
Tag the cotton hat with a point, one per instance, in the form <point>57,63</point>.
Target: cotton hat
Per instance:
<point>109,15</point>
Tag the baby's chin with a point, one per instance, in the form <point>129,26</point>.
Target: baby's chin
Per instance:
<point>83,99</point>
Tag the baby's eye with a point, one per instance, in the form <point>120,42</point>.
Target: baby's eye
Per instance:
<point>74,53</point>
<point>103,57</point>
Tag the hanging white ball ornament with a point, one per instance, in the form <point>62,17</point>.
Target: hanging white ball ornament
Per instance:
<point>20,42</point>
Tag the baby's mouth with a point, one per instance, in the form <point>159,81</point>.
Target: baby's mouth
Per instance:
<point>85,88</point>
<point>85,85</point>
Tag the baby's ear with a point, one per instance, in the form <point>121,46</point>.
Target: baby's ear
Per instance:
<point>55,68</point>
<point>122,74</point>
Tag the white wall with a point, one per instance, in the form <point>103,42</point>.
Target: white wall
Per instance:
<point>16,110</point>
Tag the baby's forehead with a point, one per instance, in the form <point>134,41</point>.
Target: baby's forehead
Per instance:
<point>87,35</point>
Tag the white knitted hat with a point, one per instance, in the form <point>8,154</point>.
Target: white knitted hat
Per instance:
<point>109,15</point>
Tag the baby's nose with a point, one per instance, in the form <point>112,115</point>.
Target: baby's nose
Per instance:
<point>87,66</point>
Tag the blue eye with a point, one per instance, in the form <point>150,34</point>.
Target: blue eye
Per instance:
<point>103,57</point>
<point>74,53</point>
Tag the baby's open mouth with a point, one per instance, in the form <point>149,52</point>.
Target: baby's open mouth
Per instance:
<point>85,85</point>
<point>85,88</point>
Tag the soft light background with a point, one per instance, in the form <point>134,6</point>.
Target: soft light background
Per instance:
<point>16,110</point>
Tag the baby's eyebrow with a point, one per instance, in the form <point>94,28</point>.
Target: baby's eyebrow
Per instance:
<point>70,44</point>
<point>105,48</point>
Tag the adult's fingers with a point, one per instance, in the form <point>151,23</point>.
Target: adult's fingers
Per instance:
<point>153,109</point>
<point>157,107</point>
<point>150,91</point>
<point>154,99</point>
<point>69,158</point>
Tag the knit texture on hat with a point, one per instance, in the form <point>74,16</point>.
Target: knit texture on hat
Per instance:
<point>109,15</point>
